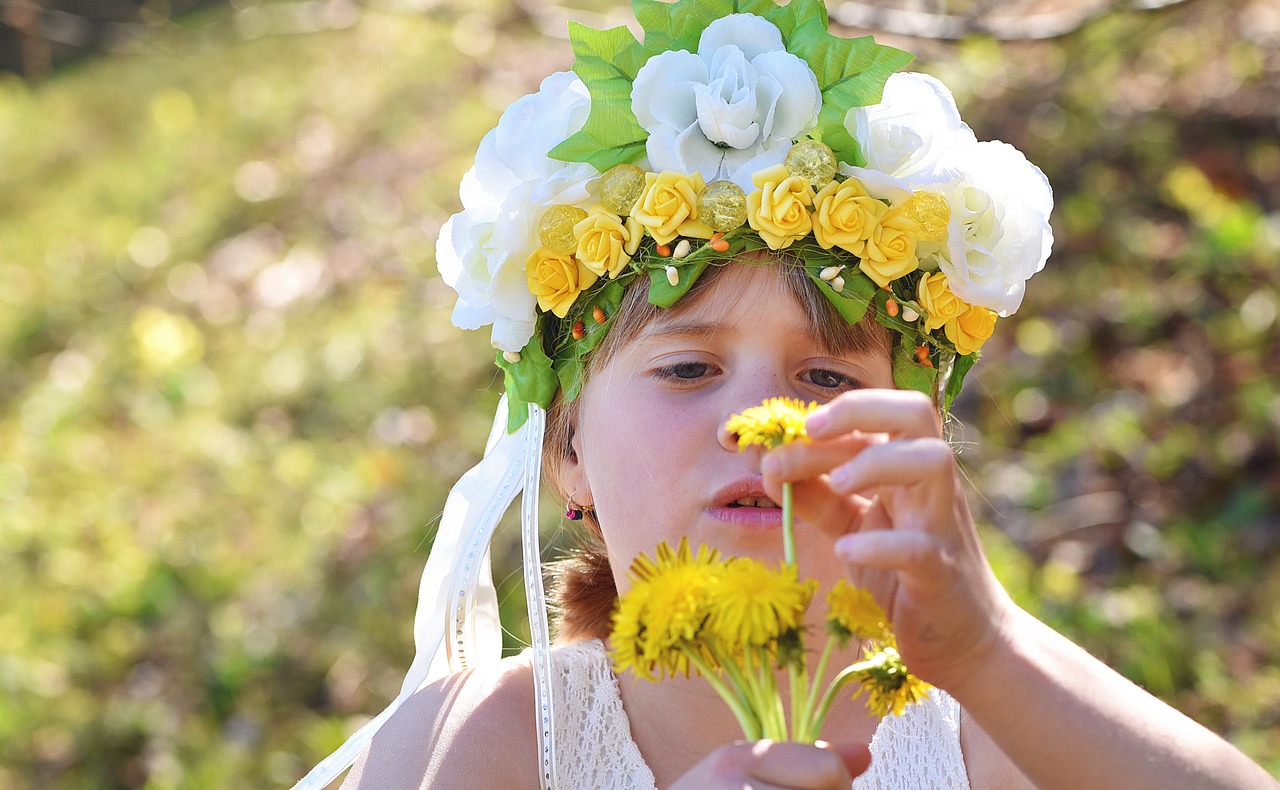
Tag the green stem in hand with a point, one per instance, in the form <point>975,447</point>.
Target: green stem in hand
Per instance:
<point>741,711</point>
<point>788,525</point>
<point>844,678</point>
<point>812,725</point>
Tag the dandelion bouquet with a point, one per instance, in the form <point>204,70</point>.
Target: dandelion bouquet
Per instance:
<point>735,620</point>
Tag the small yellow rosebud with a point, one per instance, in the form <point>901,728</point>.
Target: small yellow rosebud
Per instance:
<point>830,273</point>
<point>909,315</point>
<point>681,250</point>
<point>837,285</point>
<point>673,276</point>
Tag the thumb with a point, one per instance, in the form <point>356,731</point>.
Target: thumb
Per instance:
<point>855,756</point>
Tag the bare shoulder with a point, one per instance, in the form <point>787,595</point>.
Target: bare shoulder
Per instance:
<point>472,729</point>
<point>986,763</point>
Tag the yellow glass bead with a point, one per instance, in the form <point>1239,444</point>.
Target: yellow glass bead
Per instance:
<point>555,230</point>
<point>723,206</point>
<point>931,212</point>
<point>620,188</point>
<point>813,161</point>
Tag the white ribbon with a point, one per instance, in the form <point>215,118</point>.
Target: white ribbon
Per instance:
<point>457,624</point>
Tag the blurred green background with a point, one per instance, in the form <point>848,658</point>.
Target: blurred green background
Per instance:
<point>231,401</point>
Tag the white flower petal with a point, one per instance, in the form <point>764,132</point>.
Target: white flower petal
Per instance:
<point>740,166</point>
<point>662,91</point>
<point>750,33</point>
<point>880,186</point>
<point>799,101</point>
<point>914,126</point>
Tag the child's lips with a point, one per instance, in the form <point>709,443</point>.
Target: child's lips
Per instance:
<point>748,517</point>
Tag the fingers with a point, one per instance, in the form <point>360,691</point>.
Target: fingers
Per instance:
<point>802,460</point>
<point>901,463</point>
<point>800,765</point>
<point>899,412</point>
<point>922,558</point>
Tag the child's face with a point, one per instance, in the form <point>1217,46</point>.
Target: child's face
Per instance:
<point>652,454</point>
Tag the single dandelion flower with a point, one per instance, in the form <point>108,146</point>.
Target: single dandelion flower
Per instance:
<point>853,612</point>
<point>664,610</point>
<point>629,631</point>
<point>776,422</point>
<point>753,605</point>
<point>889,686</point>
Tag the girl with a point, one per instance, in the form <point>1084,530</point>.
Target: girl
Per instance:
<point>699,220</point>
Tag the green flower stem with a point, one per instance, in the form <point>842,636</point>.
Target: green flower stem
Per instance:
<point>812,726</point>
<point>846,676</point>
<point>742,712</point>
<point>740,682</point>
<point>799,676</point>
<point>788,525</point>
<point>777,713</point>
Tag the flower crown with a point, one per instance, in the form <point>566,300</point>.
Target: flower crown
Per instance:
<point>739,126</point>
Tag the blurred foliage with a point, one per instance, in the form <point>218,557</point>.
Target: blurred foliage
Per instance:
<point>231,400</point>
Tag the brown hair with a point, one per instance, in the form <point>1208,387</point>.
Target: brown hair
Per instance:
<point>583,588</point>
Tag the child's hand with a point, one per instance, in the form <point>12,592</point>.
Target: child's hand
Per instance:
<point>796,766</point>
<point>879,477</point>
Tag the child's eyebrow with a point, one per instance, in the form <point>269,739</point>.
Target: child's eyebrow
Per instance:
<point>660,330</point>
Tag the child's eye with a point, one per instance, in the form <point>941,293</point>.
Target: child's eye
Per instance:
<point>830,379</point>
<point>683,371</point>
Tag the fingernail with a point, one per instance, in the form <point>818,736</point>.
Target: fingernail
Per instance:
<point>839,479</point>
<point>847,549</point>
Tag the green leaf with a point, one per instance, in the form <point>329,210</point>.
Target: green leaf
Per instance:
<point>569,374</point>
<point>531,380</point>
<point>662,293</point>
<point>853,300</point>
<point>960,368</point>
<point>790,16</point>
<point>908,374</point>
<point>607,299</point>
<point>607,62</point>
<point>851,72</point>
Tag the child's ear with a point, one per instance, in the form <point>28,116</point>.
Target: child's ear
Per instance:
<point>574,473</point>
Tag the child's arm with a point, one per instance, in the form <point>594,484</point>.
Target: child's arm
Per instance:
<point>879,476</point>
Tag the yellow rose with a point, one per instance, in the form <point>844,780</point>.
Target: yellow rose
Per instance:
<point>668,207</point>
<point>557,280</point>
<point>605,242</point>
<point>890,252</point>
<point>844,216</point>
<point>938,302</point>
<point>970,329</point>
<point>779,211</point>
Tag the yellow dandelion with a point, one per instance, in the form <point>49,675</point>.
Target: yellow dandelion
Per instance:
<point>776,422</point>
<point>664,610</point>
<point>753,605</point>
<point>853,612</point>
<point>628,631</point>
<point>889,686</point>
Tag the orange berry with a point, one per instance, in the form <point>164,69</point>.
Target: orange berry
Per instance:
<point>664,250</point>
<point>597,314</point>
<point>719,245</point>
<point>579,330</point>
<point>892,307</point>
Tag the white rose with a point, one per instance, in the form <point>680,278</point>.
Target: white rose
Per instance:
<point>481,251</point>
<point>914,127</point>
<point>999,234</point>
<point>730,110</point>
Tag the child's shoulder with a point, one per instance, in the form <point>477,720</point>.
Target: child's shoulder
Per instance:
<point>471,729</point>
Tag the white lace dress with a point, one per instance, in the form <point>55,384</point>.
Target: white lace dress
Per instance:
<point>594,748</point>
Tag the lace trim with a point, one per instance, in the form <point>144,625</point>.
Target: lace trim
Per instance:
<point>594,748</point>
